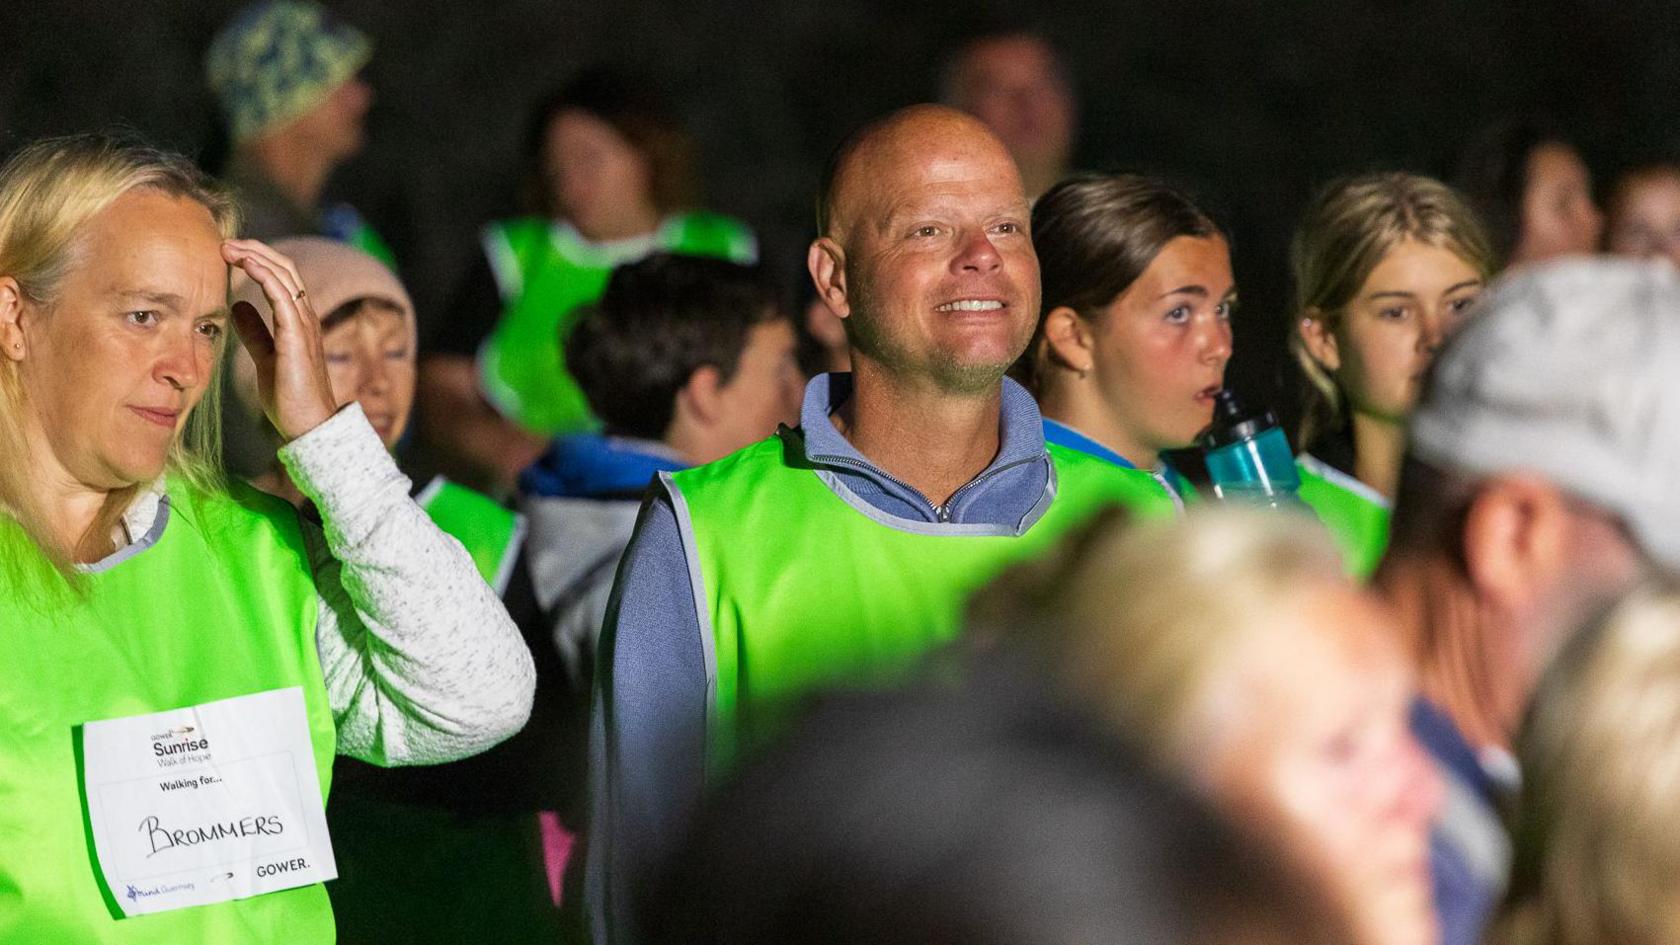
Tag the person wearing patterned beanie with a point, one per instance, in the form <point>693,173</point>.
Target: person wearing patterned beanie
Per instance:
<point>286,76</point>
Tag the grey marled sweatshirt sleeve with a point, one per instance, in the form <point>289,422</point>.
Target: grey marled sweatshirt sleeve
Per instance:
<point>422,662</point>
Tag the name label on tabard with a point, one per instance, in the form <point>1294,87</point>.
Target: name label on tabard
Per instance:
<point>205,804</point>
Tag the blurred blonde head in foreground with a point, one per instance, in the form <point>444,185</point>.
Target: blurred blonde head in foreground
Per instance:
<point>1229,646</point>
<point>1597,857</point>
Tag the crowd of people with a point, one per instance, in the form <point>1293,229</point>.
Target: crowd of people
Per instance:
<point>952,598</point>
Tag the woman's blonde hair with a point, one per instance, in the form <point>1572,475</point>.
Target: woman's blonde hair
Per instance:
<point>1133,619</point>
<point>1347,230</point>
<point>48,193</point>
<point>1597,855</point>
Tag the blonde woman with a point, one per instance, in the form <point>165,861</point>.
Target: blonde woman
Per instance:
<point>1231,647</point>
<point>1385,265</point>
<point>184,657</point>
<point>1596,857</point>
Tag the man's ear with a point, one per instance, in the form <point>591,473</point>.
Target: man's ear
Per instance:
<point>700,400</point>
<point>827,262</point>
<point>1516,535</point>
<point>1069,340</point>
<point>13,344</point>
<point>1314,328</point>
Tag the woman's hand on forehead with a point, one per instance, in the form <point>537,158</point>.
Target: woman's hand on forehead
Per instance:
<point>292,380</point>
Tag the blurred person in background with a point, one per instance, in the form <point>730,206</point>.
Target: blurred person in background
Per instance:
<point>1136,333</point>
<point>839,552</point>
<point>486,830</point>
<point>685,360</point>
<point>985,816</point>
<point>368,333</point>
<point>610,180</point>
<point>1385,266</point>
<point>1231,649</point>
<point>1596,853</point>
<point>1532,191</point>
<point>822,337</point>
<point>135,579</point>
<point>1643,213</point>
<point>1013,81</point>
<point>1533,493</point>
<point>286,74</point>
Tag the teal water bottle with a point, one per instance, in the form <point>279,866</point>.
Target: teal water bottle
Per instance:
<point>1248,457</point>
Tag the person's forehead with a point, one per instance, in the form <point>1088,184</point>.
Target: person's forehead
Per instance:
<point>372,314</point>
<point>1660,187</point>
<point>1185,259</point>
<point>1326,649</point>
<point>149,242</point>
<point>1011,54</point>
<point>772,335</point>
<point>948,178</point>
<point>1556,163</point>
<point>958,178</point>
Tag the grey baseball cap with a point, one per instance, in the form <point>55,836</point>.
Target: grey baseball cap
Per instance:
<point>1569,370</point>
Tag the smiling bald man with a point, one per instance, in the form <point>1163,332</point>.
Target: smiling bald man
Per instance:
<point>840,552</point>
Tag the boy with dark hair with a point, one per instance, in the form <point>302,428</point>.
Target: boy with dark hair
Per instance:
<point>685,360</point>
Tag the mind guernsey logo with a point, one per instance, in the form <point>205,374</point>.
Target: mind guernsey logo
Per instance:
<point>136,893</point>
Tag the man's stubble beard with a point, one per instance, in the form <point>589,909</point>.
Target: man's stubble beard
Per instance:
<point>951,374</point>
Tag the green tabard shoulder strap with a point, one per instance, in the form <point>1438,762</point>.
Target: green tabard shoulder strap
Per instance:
<point>1356,515</point>
<point>799,584</point>
<point>216,601</point>
<point>491,533</point>
<point>346,224</point>
<point>368,240</point>
<point>545,272</point>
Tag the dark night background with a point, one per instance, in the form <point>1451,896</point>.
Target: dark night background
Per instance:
<point>1251,103</point>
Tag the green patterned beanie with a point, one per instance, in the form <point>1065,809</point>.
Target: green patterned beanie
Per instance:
<point>278,59</point>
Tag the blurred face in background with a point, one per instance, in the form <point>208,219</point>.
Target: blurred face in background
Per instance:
<point>370,360</point>
<point>1379,346</point>
<point>828,332</point>
<point>1559,217</point>
<point>1644,217</point>
<point>599,181</point>
<point>335,127</point>
<point>1018,88</point>
<point>1307,739</point>
<point>765,390</point>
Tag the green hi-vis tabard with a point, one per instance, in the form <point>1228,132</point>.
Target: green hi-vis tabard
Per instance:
<point>545,271</point>
<point>490,532</point>
<point>215,602</point>
<point>1356,515</point>
<point>344,223</point>
<point>368,240</point>
<point>800,585</point>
